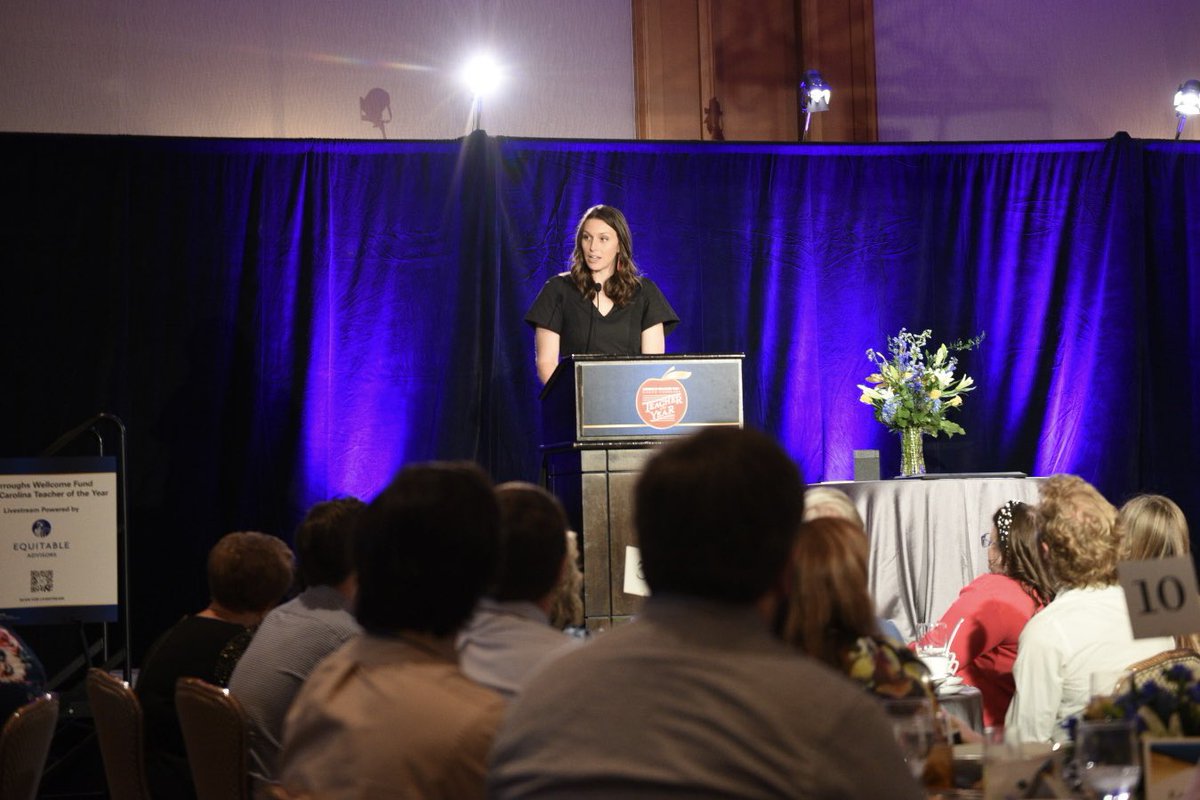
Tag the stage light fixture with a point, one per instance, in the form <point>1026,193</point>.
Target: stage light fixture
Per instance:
<point>482,76</point>
<point>1187,103</point>
<point>814,97</point>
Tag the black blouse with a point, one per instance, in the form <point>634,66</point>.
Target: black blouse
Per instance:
<point>560,307</point>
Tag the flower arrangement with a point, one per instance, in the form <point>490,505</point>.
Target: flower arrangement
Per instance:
<point>913,388</point>
<point>1167,705</point>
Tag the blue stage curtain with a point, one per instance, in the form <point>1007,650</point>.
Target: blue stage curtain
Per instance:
<point>281,322</point>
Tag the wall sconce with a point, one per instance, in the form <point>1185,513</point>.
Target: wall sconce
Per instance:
<point>1187,103</point>
<point>814,97</point>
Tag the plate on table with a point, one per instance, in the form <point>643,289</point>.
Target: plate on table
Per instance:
<point>950,685</point>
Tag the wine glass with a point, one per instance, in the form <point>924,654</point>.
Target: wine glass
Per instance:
<point>1106,755</point>
<point>913,727</point>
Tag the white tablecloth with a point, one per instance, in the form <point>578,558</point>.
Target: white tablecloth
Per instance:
<point>925,538</point>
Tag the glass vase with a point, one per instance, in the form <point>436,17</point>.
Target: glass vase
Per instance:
<point>912,452</point>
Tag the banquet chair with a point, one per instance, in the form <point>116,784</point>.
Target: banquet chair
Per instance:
<point>24,745</point>
<point>217,737</point>
<point>118,716</point>
<point>1155,667</point>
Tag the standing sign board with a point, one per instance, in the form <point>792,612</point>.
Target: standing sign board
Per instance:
<point>58,540</point>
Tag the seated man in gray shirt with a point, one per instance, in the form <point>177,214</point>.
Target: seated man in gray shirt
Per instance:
<point>696,697</point>
<point>509,635</point>
<point>299,633</point>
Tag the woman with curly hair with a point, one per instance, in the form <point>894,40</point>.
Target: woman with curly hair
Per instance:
<point>1086,628</point>
<point>995,607</point>
<point>603,304</point>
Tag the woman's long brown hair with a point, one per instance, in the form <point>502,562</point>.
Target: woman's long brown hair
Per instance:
<point>830,606</point>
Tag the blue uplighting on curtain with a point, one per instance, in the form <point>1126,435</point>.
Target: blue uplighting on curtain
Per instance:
<point>281,322</point>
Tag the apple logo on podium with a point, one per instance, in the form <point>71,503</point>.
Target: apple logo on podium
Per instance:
<point>662,402</point>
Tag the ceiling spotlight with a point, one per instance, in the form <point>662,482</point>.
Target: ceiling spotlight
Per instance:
<point>814,97</point>
<point>1187,103</point>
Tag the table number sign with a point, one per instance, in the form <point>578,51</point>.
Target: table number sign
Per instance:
<point>1162,596</point>
<point>635,582</point>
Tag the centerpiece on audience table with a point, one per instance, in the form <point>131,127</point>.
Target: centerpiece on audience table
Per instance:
<point>913,390</point>
<point>1167,712</point>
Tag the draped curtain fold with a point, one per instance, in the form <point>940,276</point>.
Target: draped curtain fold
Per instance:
<point>280,322</point>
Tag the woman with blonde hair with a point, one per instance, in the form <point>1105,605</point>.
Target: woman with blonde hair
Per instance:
<point>1156,528</point>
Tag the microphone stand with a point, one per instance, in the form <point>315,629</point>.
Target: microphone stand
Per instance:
<point>594,302</point>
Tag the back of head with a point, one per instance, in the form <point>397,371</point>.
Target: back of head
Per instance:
<point>716,514</point>
<point>425,548</point>
<point>249,572</point>
<point>1020,559</point>
<point>324,541</point>
<point>1081,533</point>
<point>533,543</point>
<point>1154,528</point>
<point>830,605</point>
<point>825,501</point>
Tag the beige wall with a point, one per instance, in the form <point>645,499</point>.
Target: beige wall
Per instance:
<point>1033,69</point>
<point>946,69</point>
<point>297,68</point>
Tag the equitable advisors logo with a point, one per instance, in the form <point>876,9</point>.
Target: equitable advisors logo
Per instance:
<point>41,528</point>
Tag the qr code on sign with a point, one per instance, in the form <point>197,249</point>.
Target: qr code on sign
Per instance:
<point>41,580</point>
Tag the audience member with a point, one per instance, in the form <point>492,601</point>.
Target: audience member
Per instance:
<point>1085,629</point>
<point>248,573</point>
<point>1155,527</point>
<point>566,610</point>
<point>696,697</point>
<point>831,617</point>
<point>509,634</point>
<point>294,637</point>
<point>22,678</point>
<point>825,501</point>
<point>995,607</point>
<point>390,714</point>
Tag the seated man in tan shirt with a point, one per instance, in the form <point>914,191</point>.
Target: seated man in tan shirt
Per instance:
<point>390,714</point>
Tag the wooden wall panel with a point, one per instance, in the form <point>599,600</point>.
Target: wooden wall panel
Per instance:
<point>707,69</point>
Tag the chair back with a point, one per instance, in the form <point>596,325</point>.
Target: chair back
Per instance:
<point>24,745</point>
<point>119,728</point>
<point>217,737</point>
<point>1155,667</point>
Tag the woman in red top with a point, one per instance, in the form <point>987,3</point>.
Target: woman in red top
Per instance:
<point>995,607</point>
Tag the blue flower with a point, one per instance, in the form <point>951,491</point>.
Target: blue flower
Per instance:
<point>888,412</point>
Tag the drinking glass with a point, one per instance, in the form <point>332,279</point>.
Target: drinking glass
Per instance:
<point>913,725</point>
<point>1106,755</point>
<point>1010,767</point>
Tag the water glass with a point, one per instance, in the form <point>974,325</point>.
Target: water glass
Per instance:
<point>1011,768</point>
<point>913,725</point>
<point>1107,757</point>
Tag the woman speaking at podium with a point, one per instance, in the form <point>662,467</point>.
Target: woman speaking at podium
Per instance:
<point>603,304</point>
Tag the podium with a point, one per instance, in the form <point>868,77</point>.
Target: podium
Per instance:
<point>602,417</point>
